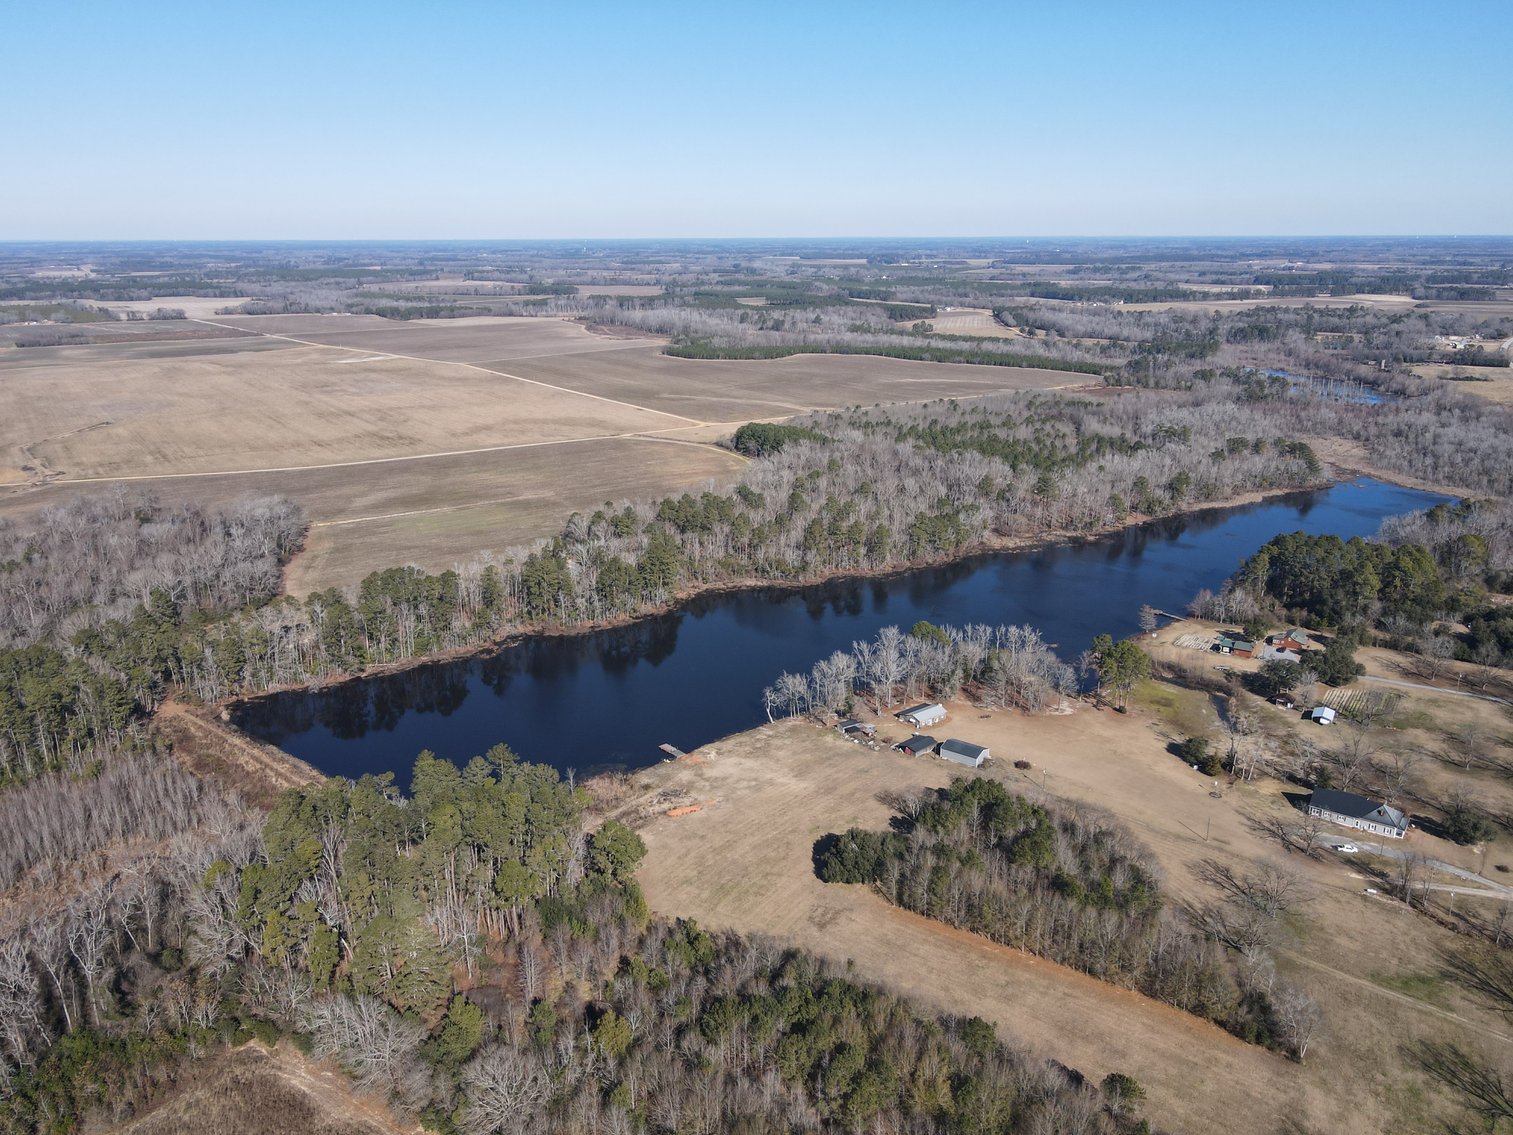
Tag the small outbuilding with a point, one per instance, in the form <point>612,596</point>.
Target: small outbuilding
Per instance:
<point>963,753</point>
<point>1322,714</point>
<point>852,727</point>
<point>917,744</point>
<point>925,714</point>
<point>1363,813</point>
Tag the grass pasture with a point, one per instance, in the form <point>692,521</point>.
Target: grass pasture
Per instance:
<point>744,860</point>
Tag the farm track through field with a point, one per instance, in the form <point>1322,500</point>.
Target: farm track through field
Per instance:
<point>474,366</point>
<point>1402,998</point>
<point>637,436</point>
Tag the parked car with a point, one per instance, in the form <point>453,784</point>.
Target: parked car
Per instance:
<point>1347,849</point>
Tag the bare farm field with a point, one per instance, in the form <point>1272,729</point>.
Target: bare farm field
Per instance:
<point>301,406</point>
<point>195,307</point>
<point>479,339</point>
<point>968,321</point>
<point>119,331</point>
<point>737,391</point>
<point>421,442</point>
<point>466,504</point>
<point>743,860</point>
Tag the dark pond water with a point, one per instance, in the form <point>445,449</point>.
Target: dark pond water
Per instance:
<point>610,698</point>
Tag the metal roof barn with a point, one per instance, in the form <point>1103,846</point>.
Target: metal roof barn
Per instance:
<point>963,752</point>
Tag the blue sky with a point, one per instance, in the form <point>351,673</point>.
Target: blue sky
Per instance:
<point>637,119</point>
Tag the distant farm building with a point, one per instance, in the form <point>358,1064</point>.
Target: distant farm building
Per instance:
<point>963,753</point>
<point>1354,811</point>
<point>852,727</point>
<point>1322,714</point>
<point>924,715</point>
<point>1233,644</point>
<point>915,745</point>
<point>1295,640</point>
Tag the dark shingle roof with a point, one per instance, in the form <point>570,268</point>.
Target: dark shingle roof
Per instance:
<point>962,748</point>
<point>1357,807</point>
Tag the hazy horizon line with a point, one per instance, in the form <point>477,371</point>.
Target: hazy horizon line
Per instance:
<point>858,238</point>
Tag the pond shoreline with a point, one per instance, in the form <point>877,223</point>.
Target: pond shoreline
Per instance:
<point>610,695</point>
<point>987,546</point>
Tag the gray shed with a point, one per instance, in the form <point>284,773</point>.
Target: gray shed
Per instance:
<point>963,753</point>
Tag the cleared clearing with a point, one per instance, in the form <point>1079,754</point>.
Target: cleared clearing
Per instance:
<point>254,1091</point>
<point>977,321</point>
<point>195,307</point>
<point>744,861</point>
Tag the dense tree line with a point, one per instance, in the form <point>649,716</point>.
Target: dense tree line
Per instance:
<point>1338,582</point>
<point>103,556</point>
<point>1067,884</point>
<point>95,606</point>
<point>941,349</point>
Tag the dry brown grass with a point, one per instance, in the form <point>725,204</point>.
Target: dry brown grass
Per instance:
<point>440,511</point>
<point>194,307</point>
<point>256,772</point>
<point>745,862</point>
<point>252,1091</point>
<point>460,506</point>
<point>1495,384</point>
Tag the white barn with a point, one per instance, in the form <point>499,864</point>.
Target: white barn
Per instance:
<point>923,715</point>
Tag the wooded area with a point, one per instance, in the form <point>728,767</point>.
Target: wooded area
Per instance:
<point>472,955</point>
